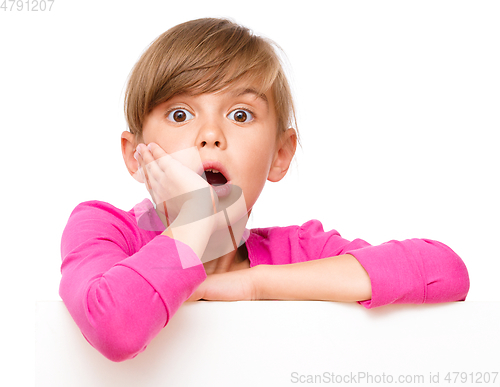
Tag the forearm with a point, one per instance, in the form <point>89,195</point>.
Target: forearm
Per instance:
<point>121,306</point>
<point>340,278</point>
<point>195,234</point>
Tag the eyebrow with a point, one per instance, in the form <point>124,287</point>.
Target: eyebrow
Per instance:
<point>249,90</point>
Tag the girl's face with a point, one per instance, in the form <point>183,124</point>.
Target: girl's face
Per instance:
<point>236,127</point>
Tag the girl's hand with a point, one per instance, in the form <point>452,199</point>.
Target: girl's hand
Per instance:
<point>171,183</point>
<point>239,285</point>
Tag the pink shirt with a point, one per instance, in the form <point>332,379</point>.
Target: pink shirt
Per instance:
<point>122,284</point>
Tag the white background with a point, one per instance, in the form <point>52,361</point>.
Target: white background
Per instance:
<point>398,108</point>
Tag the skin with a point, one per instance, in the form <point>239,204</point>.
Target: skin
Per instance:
<point>251,155</point>
<point>248,149</point>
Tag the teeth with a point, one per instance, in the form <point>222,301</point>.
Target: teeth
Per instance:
<point>213,170</point>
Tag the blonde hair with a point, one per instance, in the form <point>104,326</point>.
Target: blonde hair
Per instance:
<point>202,56</point>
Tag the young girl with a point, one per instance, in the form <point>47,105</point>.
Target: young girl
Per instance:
<point>211,119</point>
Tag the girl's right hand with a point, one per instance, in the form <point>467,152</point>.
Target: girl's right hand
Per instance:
<point>172,184</point>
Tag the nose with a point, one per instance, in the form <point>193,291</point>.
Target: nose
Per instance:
<point>211,135</point>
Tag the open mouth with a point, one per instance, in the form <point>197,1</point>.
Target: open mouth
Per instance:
<point>218,181</point>
<point>215,178</point>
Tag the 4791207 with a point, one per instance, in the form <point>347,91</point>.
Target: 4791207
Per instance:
<point>26,5</point>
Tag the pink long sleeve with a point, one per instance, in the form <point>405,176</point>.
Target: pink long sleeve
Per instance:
<point>121,284</point>
<point>412,271</point>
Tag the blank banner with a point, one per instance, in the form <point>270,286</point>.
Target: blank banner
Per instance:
<point>285,343</point>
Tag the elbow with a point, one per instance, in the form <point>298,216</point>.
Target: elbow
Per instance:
<point>104,335</point>
<point>115,334</point>
<point>448,278</point>
<point>118,312</point>
<point>118,349</point>
<point>119,336</point>
<point>119,326</point>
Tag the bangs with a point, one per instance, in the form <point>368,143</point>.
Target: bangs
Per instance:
<point>206,56</point>
<point>219,80</point>
<point>212,68</point>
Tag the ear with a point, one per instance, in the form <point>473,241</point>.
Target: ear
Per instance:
<point>283,156</point>
<point>128,144</point>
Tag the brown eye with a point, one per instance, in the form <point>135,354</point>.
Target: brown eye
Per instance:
<point>241,116</point>
<point>180,115</point>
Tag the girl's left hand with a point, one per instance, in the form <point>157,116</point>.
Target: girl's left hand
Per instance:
<point>239,285</point>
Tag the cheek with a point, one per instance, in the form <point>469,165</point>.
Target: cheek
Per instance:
<point>256,167</point>
<point>169,144</point>
<point>259,146</point>
<point>255,159</point>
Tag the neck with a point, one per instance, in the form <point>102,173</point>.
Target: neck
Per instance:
<point>234,260</point>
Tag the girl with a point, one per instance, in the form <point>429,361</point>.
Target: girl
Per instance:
<point>211,119</point>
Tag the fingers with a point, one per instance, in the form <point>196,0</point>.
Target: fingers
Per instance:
<point>145,154</point>
<point>172,179</point>
<point>152,156</point>
<point>149,158</point>
<point>141,171</point>
<point>156,150</point>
